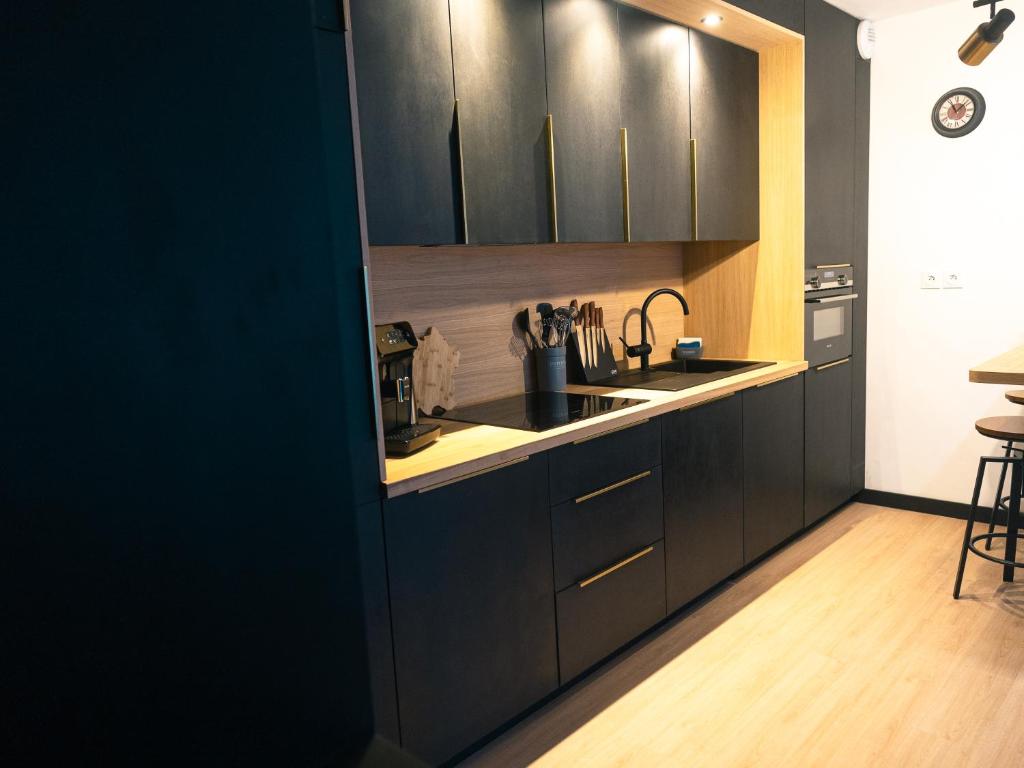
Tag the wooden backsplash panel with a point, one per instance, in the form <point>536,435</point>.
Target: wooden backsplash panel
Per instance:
<point>472,294</point>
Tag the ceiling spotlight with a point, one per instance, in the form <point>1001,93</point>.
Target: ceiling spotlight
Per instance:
<point>987,36</point>
<point>712,20</point>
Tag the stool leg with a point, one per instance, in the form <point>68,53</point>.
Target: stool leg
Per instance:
<point>999,496</point>
<point>1013,519</point>
<point>967,531</point>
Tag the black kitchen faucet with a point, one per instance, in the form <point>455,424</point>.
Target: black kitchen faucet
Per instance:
<point>643,349</point>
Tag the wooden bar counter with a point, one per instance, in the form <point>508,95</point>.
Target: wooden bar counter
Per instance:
<point>1008,368</point>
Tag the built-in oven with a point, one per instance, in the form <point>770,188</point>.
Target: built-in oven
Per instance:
<point>828,313</point>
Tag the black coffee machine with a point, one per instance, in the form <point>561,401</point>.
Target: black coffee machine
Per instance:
<point>396,344</point>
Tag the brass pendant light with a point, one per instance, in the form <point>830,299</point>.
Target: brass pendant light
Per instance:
<point>987,36</point>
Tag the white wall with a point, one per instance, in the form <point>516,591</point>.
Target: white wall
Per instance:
<point>938,203</point>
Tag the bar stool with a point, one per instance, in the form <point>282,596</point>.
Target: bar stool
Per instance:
<point>1010,429</point>
<point>1002,503</point>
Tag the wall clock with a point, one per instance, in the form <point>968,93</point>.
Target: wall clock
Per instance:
<point>958,112</point>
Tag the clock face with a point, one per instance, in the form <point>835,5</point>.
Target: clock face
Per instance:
<point>958,112</point>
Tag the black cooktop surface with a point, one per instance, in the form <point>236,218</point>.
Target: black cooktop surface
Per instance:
<point>538,411</point>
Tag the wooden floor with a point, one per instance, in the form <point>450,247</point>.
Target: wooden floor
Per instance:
<point>845,649</point>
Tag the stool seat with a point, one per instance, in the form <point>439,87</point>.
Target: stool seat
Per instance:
<point>1016,396</point>
<point>1002,427</point>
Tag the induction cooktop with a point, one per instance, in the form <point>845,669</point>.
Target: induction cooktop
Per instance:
<point>539,411</point>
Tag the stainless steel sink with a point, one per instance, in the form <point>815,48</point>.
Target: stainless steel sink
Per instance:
<point>676,375</point>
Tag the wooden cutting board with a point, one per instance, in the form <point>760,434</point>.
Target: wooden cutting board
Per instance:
<point>433,369</point>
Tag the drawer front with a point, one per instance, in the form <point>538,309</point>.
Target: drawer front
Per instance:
<point>605,526</point>
<point>597,618</point>
<point>592,463</point>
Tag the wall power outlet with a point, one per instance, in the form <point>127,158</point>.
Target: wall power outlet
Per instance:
<point>952,279</point>
<point>931,280</point>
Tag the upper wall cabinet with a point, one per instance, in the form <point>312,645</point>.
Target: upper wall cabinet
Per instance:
<point>498,47</point>
<point>583,80</point>
<point>785,13</point>
<point>724,114</point>
<point>656,115</point>
<point>406,97</point>
<point>830,139</point>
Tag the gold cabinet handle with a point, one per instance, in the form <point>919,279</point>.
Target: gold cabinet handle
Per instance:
<point>826,366</point>
<point>693,189</point>
<point>831,266</point>
<point>613,486</point>
<point>614,568</point>
<point>468,475</point>
<point>588,438</point>
<point>707,402</point>
<point>549,132</point>
<point>462,173</point>
<point>624,156</point>
<point>777,381</point>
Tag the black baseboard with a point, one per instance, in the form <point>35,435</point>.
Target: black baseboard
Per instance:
<point>921,504</point>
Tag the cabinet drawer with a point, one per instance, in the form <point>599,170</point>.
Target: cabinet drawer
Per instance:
<point>610,608</point>
<point>606,525</point>
<point>591,463</point>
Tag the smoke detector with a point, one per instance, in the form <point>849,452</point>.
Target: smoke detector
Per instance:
<point>866,39</point>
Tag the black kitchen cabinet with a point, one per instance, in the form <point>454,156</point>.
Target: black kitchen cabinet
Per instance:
<point>702,450</point>
<point>828,422</point>
<point>830,54</point>
<point>611,608</point>
<point>593,462</point>
<point>373,562</point>
<point>724,125</point>
<point>786,13</point>
<point>773,465</point>
<point>583,83</point>
<point>472,605</point>
<point>498,49</point>
<point>406,97</point>
<point>656,113</point>
<point>860,265</point>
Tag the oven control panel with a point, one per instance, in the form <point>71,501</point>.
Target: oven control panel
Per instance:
<point>828,278</point>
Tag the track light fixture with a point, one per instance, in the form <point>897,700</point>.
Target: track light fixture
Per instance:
<point>987,36</point>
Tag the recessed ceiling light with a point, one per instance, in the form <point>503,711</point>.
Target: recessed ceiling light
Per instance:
<point>712,20</point>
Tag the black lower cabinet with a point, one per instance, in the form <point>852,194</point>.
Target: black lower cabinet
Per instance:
<point>608,609</point>
<point>702,451</point>
<point>472,604</point>
<point>828,439</point>
<point>773,465</point>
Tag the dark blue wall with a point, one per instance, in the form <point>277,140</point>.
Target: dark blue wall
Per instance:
<point>185,388</point>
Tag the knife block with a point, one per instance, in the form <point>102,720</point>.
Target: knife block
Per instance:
<point>592,355</point>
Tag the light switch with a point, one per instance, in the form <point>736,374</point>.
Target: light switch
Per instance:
<point>930,280</point>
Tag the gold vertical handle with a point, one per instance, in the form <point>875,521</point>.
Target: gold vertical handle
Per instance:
<point>624,154</point>
<point>462,173</point>
<point>693,189</point>
<point>549,132</point>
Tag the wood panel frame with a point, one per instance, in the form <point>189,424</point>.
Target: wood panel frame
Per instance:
<point>746,296</point>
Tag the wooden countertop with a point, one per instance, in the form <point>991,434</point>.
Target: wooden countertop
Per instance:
<point>1008,368</point>
<point>464,449</point>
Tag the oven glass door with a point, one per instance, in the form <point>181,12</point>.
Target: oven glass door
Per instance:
<point>828,329</point>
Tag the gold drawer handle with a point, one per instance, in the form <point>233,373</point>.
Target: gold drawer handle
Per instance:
<point>624,158</point>
<point>614,568</point>
<point>469,475</point>
<point>777,381</point>
<point>826,366</point>
<point>613,486</point>
<point>462,174</point>
<point>609,432</point>
<point>832,266</point>
<point>706,402</point>
<point>693,189</point>
<point>549,134</point>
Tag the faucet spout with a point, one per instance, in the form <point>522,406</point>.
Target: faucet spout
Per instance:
<point>643,350</point>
